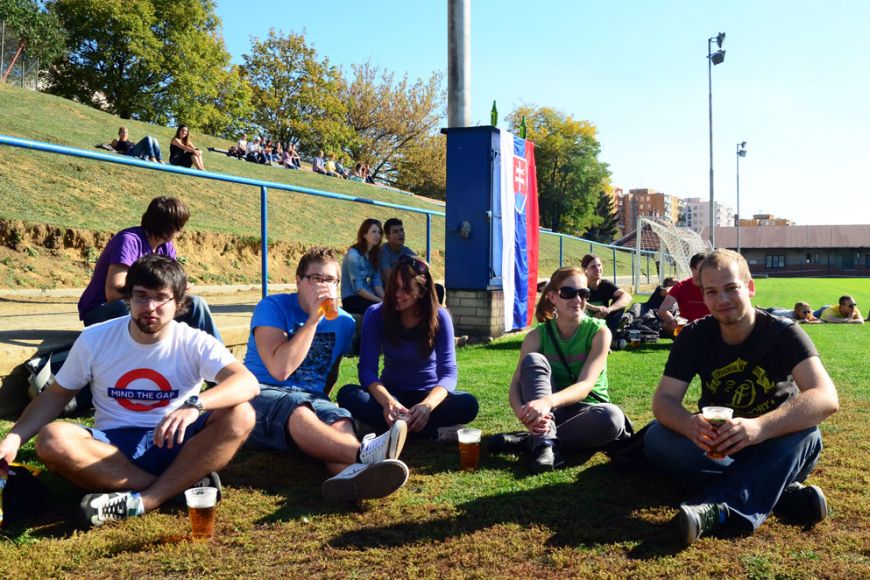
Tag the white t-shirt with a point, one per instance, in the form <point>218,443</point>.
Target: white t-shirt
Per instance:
<point>136,385</point>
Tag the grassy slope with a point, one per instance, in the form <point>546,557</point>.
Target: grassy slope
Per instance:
<point>586,521</point>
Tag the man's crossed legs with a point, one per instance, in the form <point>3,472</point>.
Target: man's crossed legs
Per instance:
<point>290,418</point>
<point>128,461</point>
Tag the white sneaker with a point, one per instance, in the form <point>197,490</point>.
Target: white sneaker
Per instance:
<point>361,481</point>
<point>385,446</point>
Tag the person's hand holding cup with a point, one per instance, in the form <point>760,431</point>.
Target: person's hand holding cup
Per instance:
<point>716,417</point>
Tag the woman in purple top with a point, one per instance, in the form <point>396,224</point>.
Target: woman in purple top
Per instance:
<point>415,336</point>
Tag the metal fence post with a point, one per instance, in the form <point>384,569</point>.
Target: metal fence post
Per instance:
<point>428,238</point>
<point>613,250</point>
<point>561,251</point>
<point>264,241</point>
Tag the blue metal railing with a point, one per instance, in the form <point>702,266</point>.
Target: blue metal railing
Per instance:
<point>265,185</point>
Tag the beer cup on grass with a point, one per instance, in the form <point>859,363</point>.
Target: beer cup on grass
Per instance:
<point>201,506</point>
<point>469,448</point>
<point>716,416</point>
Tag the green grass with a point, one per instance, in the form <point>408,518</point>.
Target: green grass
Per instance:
<point>586,521</point>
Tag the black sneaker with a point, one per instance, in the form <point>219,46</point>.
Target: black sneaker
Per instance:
<point>99,508</point>
<point>699,520</point>
<point>802,504</point>
<point>516,442</point>
<point>544,458</point>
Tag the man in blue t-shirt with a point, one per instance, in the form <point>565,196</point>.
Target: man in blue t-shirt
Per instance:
<point>295,352</point>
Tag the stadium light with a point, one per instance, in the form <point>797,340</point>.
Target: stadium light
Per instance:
<point>741,152</point>
<point>717,57</point>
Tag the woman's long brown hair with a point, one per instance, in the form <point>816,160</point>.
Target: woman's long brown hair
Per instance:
<point>546,310</point>
<point>361,244</point>
<point>417,278</point>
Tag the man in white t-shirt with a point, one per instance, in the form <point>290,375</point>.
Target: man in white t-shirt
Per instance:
<point>155,434</point>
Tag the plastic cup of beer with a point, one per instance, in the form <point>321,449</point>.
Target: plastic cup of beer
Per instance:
<point>716,416</point>
<point>634,338</point>
<point>328,308</point>
<point>469,448</point>
<point>201,506</point>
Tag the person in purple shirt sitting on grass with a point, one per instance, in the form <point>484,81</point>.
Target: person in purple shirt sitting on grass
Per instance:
<point>418,383</point>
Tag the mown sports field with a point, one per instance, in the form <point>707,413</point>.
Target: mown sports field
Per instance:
<point>591,520</point>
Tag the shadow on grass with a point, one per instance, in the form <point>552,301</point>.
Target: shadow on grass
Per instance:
<point>601,506</point>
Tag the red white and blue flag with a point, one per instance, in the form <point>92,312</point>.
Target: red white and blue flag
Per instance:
<point>517,205</point>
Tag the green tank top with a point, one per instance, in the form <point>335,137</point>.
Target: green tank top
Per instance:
<point>575,349</point>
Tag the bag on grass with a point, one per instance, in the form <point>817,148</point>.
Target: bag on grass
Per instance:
<point>23,493</point>
<point>41,371</point>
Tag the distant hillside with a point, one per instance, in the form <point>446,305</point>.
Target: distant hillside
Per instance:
<point>46,193</point>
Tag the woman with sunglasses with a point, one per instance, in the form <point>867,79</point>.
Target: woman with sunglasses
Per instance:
<point>607,300</point>
<point>361,284</point>
<point>559,390</point>
<point>418,382</point>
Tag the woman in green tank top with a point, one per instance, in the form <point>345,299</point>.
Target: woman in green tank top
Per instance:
<point>562,397</point>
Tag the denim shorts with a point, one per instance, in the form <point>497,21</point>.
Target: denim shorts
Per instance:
<point>137,444</point>
<point>274,405</point>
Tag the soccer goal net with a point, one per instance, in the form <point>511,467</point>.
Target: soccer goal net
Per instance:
<point>675,247</point>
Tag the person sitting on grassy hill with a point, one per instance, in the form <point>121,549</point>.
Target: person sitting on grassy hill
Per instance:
<point>161,223</point>
<point>361,284</point>
<point>295,352</point>
<point>147,148</point>
<point>155,434</point>
<point>801,313</point>
<point>240,149</point>
<point>767,370</point>
<point>559,390</point>
<point>318,164</point>
<point>182,152</point>
<point>418,382</point>
<point>291,159</point>
<point>844,312</point>
<point>356,175</point>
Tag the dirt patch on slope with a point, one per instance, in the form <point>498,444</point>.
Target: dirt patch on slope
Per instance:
<point>42,256</point>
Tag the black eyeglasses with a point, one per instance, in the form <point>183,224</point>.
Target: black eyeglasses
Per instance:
<point>318,279</point>
<point>853,305</point>
<point>567,293</point>
<point>420,267</point>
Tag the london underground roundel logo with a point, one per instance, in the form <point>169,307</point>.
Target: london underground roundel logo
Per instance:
<point>159,380</point>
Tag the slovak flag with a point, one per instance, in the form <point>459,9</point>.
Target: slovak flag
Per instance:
<point>517,200</point>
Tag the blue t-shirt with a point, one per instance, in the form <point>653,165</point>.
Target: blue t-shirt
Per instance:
<point>332,339</point>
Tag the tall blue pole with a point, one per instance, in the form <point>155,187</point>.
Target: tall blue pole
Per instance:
<point>264,241</point>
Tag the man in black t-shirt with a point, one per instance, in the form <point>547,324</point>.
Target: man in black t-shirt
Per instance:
<point>767,370</point>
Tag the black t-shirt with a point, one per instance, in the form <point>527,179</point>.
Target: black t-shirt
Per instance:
<point>124,146</point>
<point>603,294</point>
<point>725,379</point>
<point>655,300</point>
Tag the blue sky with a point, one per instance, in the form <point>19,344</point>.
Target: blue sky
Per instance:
<point>795,84</point>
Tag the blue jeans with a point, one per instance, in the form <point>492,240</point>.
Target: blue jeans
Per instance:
<point>198,315</point>
<point>457,408</point>
<point>750,482</point>
<point>147,148</point>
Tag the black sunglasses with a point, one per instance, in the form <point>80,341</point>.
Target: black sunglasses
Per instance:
<point>567,293</point>
<point>420,267</point>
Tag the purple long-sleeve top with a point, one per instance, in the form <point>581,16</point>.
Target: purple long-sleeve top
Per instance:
<point>404,368</point>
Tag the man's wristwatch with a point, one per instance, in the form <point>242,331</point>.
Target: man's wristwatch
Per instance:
<point>194,402</point>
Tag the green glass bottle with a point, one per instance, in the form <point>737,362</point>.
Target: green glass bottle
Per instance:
<point>523,127</point>
<point>493,115</point>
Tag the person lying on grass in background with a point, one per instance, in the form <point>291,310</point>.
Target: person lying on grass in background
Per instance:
<point>147,148</point>
<point>161,223</point>
<point>154,434</point>
<point>767,370</point>
<point>844,312</point>
<point>418,382</point>
<point>562,399</point>
<point>801,313</point>
<point>295,352</point>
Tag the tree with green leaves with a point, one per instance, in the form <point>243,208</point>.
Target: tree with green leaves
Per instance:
<point>570,175</point>
<point>394,123</point>
<point>604,227</point>
<point>40,35</point>
<point>295,95</point>
<point>161,61</point>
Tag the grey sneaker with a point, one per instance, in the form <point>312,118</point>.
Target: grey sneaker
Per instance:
<point>700,520</point>
<point>449,434</point>
<point>99,508</point>
<point>366,481</point>
<point>387,445</point>
<point>802,504</point>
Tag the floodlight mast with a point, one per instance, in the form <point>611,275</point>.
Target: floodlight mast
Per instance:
<point>713,58</point>
<point>741,152</point>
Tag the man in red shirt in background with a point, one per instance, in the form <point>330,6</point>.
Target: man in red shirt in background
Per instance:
<point>686,296</point>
